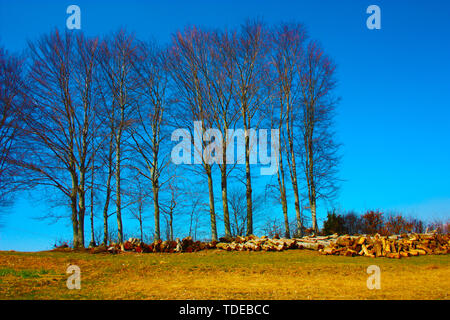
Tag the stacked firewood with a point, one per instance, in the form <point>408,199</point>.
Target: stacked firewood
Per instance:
<point>185,245</point>
<point>253,243</point>
<point>249,243</point>
<point>395,246</point>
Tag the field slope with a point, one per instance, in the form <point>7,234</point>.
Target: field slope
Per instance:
<point>214,274</point>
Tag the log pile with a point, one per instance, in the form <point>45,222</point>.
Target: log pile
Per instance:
<point>253,243</point>
<point>185,245</point>
<point>396,246</point>
<point>249,243</point>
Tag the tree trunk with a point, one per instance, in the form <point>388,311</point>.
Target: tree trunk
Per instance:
<point>226,213</point>
<point>281,183</point>
<point>105,208</point>
<point>310,174</point>
<point>248,178</point>
<point>293,172</point>
<point>108,185</point>
<point>155,188</point>
<point>118,193</point>
<point>296,197</point>
<point>92,244</point>
<point>190,223</point>
<point>212,211</point>
<point>74,207</point>
<point>313,216</point>
<point>171,226</point>
<point>140,228</point>
<point>81,215</point>
<point>82,207</point>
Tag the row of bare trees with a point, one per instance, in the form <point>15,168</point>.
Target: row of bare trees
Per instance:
<point>92,118</point>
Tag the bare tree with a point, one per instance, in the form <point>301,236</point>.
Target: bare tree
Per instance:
<point>272,227</point>
<point>249,57</point>
<point>106,155</point>
<point>196,209</point>
<point>153,80</point>
<point>12,88</point>
<point>93,243</point>
<point>85,67</point>
<point>219,72</point>
<point>171,206</point>
<point>59,122</point>
<point>288,42</point>
<point>118,55</point>
<point>188,55</point>
<point>95,168</point>
<point>238,204</point>
<point>139,201</point>
<point>319,152</point>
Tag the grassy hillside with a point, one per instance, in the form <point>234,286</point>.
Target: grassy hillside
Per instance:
<point>214,274</point>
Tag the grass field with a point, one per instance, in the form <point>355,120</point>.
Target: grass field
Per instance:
<point>214,274</point>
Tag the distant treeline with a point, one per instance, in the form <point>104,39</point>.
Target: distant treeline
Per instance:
<point>375,221</point>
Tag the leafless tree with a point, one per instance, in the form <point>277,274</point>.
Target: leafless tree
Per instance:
<point>249,57</point>
<point>12,87</point>
<point>188,54</point>
<point>287,54</point>
<point>118,55</point>
<point>238,204</point>
<point>272,227</point>
<point>319,153</point>
<point>85,68</point>
<point>219,72</point>
<point>96,171</point>
<point>106,155</point>
<point>171,206</point>
<point>93,243</point>
<point>151,129</point>
<point>59,122</point>
<point>196,209</point>
<point>139,200</point>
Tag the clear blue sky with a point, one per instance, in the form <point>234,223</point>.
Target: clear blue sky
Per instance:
<point>394,116</point>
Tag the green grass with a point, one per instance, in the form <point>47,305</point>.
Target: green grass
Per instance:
<point>23,273</point>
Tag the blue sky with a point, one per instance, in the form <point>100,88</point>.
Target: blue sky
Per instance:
<point>393,119</point>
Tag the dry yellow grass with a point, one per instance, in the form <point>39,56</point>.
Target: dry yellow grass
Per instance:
<point>292,274</point>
